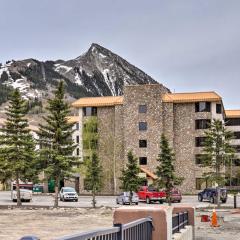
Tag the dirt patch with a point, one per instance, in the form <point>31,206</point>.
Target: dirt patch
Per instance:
<point>49,224</point>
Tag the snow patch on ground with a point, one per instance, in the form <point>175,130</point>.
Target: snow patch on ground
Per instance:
<point>102,55</point>
<point>78,79</point>
<point>63,68</point>
<point>109,81</point>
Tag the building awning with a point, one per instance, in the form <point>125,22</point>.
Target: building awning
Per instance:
<point>191,97</point>
<point>73,119</point>
<point>149,173</point>
<point>98,101</point>
<point>232,113</point>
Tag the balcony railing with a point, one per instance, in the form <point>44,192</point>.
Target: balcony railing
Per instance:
<point>179,221</point>
<point>137,230</point>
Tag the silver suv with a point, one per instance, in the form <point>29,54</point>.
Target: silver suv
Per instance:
<point>68,194</point>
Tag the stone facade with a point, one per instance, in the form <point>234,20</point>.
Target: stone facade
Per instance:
<point>119,132</point>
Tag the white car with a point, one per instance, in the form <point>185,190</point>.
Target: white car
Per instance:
<point>25,195</point>
<point>68,194</point>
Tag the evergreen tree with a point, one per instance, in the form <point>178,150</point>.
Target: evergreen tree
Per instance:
<point>217,153</point>
<point>165,170</point>
<point>130,176</point>
<point>17,147</point>
<point>55,139</point>
<point>93,178</point>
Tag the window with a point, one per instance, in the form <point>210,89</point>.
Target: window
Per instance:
<point>202,123</point>
<point>237,148</point>
<point>77,126</point>
<point>199,141</point>
<point>77,151</point>
<point>142,109</point>
<point>77,139</point>
<point>232,122</point>
<point>90,111</point>
<point>199,159</point>
<point>143,160</point>
<point>218,108</point>
<point>203,107</point>
<point>142,126</point>
<point>142,143</point>
<point>236,162</point>
<point>236,135</point>
<point>202,183</point>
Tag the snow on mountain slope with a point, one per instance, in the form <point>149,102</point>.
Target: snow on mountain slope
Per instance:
<point>98,72</point>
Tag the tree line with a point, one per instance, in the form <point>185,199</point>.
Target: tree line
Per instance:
<point>19,160</point>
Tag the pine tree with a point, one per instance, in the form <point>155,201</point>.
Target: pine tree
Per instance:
<point>165,170</point>
<point>93,178</point>
<point>17,146</point>
<point>55,139</point>
<point>217,153</point>
<point>130,176</point>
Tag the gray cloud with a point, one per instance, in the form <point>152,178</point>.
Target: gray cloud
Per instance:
<point>187,45</point>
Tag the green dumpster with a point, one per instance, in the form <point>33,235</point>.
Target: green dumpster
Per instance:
<point>37,188</point>
<point>51,186</point>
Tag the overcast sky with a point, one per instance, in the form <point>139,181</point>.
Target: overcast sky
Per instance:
<point>186,45</point>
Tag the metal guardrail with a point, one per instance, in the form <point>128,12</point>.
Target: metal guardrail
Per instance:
<point>137,230</point>
<point>179,221</point>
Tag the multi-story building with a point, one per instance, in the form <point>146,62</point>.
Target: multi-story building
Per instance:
<point>232,123</point>
<point>136,120</point>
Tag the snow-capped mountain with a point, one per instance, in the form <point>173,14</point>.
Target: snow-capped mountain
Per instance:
<point>98,72</point>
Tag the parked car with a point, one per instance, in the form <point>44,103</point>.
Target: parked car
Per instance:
<point>25,195</point>
<point>176,195</point>
<point>210,194</point>
<point>68,194</point>
<point>123,198</point>
<point>150,194</point>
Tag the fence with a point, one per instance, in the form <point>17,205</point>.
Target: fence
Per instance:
<point>179,221</point>
<point>137,230</point>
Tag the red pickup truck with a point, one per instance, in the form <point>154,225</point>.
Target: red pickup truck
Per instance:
<point>150,194</point>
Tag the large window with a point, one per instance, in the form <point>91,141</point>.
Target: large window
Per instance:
<point>90,111</point>
<point>202,123</point>
<point>142,143</point>
<point>142,109</point>
<point>143,160</point>
<point>199,159</point>
<point>199,141</point>
<point>236,135</point>
<point>232,122</point>
<point>218,108</point>
<point>203,107</point>
<point>142,126</point>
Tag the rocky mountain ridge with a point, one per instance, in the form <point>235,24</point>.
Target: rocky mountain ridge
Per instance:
<point>98,72</point>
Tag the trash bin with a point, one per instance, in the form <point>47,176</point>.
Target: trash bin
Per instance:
<point>37,188</point>
<point>51,186</point>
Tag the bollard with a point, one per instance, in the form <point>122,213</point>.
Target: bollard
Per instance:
<point>235,200</point>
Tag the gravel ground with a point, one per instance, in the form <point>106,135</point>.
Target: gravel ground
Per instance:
<point>229,228</point>
<point>49,224</point>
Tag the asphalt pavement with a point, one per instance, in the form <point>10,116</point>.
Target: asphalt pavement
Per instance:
<point>107,201</point>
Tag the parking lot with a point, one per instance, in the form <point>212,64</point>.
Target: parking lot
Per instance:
<point>108,201</point>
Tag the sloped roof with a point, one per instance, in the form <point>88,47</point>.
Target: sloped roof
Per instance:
<point>150,174</point>
<point>73,119</point>
<point>191,97</point>
<point>232,113</point>
<point>98,101</point>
